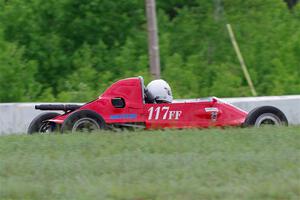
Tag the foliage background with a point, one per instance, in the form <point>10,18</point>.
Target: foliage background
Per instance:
<point>71,50</point>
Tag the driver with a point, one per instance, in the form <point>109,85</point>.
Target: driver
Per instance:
<point>158,91</point>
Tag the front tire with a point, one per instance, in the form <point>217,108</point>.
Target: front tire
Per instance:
<point>83,121</point>
<point>265,115</point>
<point>40,124</point>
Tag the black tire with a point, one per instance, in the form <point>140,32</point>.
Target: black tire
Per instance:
<point>40,124</point>
<point>265,115</point>
<point>83,121</point>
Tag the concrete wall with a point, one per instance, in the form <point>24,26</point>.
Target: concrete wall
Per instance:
<point>289,105</point>
<point>16,117</point>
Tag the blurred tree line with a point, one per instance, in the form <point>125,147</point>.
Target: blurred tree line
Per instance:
<point>71,50</point>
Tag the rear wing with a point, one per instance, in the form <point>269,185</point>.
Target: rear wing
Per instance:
<point>63,107</point>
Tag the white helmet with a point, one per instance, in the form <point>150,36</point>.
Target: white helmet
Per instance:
<point>160,91</point>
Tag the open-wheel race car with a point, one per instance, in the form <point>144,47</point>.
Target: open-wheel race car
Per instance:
<point>127,103</point>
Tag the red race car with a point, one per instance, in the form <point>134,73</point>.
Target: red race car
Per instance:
<point>129,104</point>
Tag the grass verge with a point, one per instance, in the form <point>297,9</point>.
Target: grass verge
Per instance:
<point>185,164</point>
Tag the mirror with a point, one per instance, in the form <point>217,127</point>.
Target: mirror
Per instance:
<point>118,102</point>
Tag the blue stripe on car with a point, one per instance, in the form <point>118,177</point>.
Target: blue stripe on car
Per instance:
<point>124,116</point>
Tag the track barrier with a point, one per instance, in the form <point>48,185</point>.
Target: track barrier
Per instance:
<point>16,117</point>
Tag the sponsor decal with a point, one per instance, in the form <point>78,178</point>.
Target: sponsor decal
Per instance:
<point>123,116</point>
<point>214,116</point>
<point>164,113</point>
<point>213,113</point>
<point>211,109</point>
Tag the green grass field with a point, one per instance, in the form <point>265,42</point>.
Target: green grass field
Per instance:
<point>186,164</point>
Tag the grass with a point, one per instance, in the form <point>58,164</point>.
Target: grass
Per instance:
<point>184,164</point>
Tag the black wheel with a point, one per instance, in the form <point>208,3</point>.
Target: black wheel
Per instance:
<point>265,115</point>
<point>40,124</point>
<point>83,121</point>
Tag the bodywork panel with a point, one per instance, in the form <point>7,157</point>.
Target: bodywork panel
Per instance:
<point>190,113</point>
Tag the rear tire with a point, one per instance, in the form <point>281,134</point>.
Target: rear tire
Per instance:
<point>83,121</point>
<point>265,115</point>
<point>40,124</point>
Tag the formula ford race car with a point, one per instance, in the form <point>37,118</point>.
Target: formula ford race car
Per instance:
<point>124,104</point>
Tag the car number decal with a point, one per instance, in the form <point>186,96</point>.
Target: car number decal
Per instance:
<point>163,112</point>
